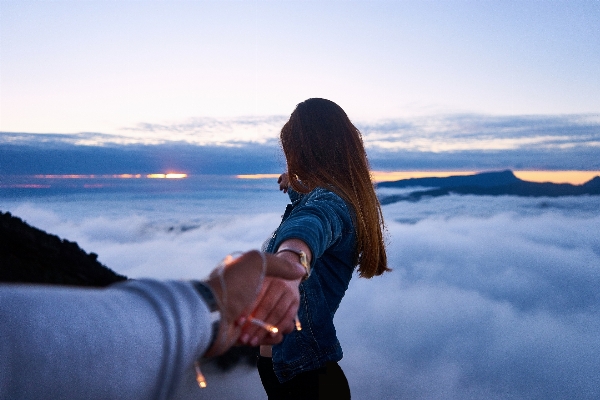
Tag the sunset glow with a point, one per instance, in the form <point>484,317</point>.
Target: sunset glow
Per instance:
<point>166,176</point>
<point>381,176</point>
<point>258,176</point>
<point>114,176</point>
<point>74,176</point>
<point>572,177</point>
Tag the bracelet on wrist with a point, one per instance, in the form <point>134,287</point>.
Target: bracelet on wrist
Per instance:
<point>303,260</point>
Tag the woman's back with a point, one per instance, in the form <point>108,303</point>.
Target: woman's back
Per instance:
<point>336,218</point>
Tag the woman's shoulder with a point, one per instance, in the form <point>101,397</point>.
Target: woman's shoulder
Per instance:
<point>326,196</point>
<point>321,192</point>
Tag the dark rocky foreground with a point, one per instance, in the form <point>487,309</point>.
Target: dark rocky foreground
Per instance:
<point>485,184</point>
<point>30,255</point>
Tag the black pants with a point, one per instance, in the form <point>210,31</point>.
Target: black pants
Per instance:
<point>326,383</point>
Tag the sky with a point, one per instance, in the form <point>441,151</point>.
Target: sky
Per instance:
<point>490,298</point>
<point>125,68</point>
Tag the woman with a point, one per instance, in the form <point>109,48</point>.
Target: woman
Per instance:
<point>333,224</point>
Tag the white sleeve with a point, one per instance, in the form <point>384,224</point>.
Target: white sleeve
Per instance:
<point>133,340</point>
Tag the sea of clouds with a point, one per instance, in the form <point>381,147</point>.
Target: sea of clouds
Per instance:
<point>489,298</point>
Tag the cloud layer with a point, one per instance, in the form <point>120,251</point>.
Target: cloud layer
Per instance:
<point>496,307</point>
<point>489,298</point>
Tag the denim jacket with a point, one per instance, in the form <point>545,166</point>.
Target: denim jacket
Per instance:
<point>323,221</point>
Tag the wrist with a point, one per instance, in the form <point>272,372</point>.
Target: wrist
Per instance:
<point>207,294</point>
<point>302,259</point>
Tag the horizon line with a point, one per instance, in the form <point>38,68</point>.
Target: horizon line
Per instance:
<point>574,177</point>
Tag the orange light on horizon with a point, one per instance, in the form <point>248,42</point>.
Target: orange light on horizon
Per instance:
<point>572,177</point>
<point>166,176</point>
<point>113,176</point>
<point>381,176</point>
<point>127,176</point>
<point>177,176</point>
<point>258,176</point>
<point>77,176</point>
<point>66,176</point>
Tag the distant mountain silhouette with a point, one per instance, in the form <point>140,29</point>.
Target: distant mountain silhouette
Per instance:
<point>594,183</point>
<point>484,179</point>
<point>486,184</point>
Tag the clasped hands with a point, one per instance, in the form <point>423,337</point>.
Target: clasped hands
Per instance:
<point>257,286</point>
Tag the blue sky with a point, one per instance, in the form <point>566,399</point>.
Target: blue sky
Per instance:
<point>109,67</point>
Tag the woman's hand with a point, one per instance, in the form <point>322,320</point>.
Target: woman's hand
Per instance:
<point>270,299</point>
<point>284,182</point>
<point>272,305</point>
<point>242,282</point>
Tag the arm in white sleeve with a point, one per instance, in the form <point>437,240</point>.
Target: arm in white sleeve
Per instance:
<point>133,340</point>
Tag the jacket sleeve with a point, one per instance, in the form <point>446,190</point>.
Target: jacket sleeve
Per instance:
<point>133,340</point>
<point>318,222</point>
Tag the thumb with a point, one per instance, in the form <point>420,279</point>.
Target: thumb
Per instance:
<point>278,267</point>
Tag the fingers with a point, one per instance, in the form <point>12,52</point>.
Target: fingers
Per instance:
<point>286,325</point>
<point>286,322</point>
<point>272,296</point>
<point>258,311</point>
<point>283,182</point>
<point>283,314</point>
<point>277,306</point>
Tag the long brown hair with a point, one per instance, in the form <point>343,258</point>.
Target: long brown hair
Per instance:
<point>323,148</point>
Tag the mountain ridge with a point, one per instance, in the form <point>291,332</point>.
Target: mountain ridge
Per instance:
<point>486,184</point>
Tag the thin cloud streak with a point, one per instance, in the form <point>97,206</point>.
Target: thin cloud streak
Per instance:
<point>478,132</point>
<point>212,131</point>
<point>436,134</point>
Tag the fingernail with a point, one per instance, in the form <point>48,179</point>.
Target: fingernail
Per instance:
<point>241,321</point>
<point>245,337</point>
<point>254,341</point>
